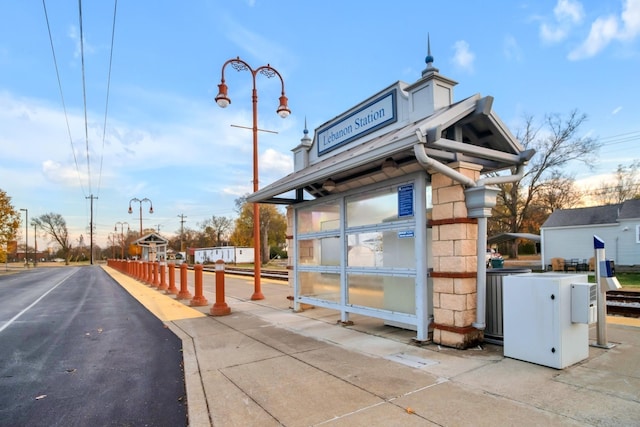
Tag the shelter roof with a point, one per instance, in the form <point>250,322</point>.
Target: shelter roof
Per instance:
<point>151,238</point>
<point>481,138</point>
<point>505,237</point>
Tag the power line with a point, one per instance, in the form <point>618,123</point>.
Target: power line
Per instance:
<point>64,107</point>
<point>84,96</point>
<point>106,107</point>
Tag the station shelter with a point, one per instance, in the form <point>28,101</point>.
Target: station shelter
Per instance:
<point>387,210</point>
<point>154,247</point>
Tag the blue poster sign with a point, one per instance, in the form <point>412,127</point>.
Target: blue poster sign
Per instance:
<point>405,200</point>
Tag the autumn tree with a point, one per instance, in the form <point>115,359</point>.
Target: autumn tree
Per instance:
<point>55,227</point>
<point>625,185</point>
<point>216,229</point>
<point>9,224</point>
<point>557,142</point>
<point>273,227</point>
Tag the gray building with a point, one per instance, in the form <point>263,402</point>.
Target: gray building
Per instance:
<point>568,233</point>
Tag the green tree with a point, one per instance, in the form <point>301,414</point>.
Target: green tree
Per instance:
<point>9,224</point>
<point>54,226</point>
<point>273,226</point>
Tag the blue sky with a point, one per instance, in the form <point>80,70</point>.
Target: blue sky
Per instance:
<point>165,138</point>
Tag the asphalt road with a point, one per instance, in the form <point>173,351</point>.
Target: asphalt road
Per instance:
<point>77,350</point>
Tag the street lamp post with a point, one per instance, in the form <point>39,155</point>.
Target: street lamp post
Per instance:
<point>26,237</point>
<point>35,244</point>
<point>121,224</point>
<point>283,111</point>
<point>135,199</point>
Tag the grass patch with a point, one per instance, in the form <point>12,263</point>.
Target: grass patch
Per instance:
<point>627,280</point>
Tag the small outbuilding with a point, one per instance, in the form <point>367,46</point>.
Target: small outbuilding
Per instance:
<point>228,254</point>
<point>568,233</point>
<point>154,247</point>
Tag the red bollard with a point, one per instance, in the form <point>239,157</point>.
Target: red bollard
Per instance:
<point>220,308</point>
<point>144,271</point>
<point>154,281</point>
<point>147,272</point>
<point>184,290</point>
<point>163,277</point>
<point>172,280</point>
<point>198,299</point>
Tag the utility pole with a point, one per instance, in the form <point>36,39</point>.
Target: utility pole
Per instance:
<point>182,221</point>
<point>158,225</point>
<point>91,227</point>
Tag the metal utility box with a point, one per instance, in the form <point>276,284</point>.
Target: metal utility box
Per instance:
<point>537,320</point>
<point>584,303</point>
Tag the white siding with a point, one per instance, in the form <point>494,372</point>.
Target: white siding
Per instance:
<point>577,242</point>
<point>629,243</point>
<point>228,254</point>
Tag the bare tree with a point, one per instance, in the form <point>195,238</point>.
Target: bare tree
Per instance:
<point>220,226</point>
<point>557,142</point>
<point>626,185</point>
<point>558,192</point>
<point>54,226</point>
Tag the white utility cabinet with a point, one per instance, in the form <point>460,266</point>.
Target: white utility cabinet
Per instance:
<point>537,320</point>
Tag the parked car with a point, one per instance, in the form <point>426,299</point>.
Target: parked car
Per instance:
<point>492,254</point>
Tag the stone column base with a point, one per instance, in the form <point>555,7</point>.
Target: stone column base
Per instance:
<point>457,337</point>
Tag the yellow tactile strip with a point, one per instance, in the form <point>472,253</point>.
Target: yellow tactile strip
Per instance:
<point>628,321</point>
<point>164,307</point>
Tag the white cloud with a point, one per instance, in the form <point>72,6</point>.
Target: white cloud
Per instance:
<point>631,19</point>
<point>603,30</point>
<point>278,163</point>
<point>606,29</point>
<point>463,57</point>
<point>616,111</point>
<point>512,49</point>
<point>66,175</point>
<point>567,14</point>
<point>568,10</point>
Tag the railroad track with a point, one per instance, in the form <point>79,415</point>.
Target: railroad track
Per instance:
<point>623,303</point>
<point>265,273</point>
<point>619,303</point>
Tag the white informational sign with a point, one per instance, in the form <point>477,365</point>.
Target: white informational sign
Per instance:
<point>372,116</point>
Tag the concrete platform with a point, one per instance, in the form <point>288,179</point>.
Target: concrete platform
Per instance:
<point>265,365</point>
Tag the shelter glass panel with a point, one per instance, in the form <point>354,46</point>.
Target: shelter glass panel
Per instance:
<point>389,248</point>
<point>323,251</point>
<point>372,208</point>
<point>321,217</point>
<point>325,286</point>
<point>384,292</point>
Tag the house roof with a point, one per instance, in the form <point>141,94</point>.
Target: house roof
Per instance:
<point>485,141</point>
<point>630,209</point>
<point>595,215</point>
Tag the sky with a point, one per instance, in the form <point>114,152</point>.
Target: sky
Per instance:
<point>130,112</point>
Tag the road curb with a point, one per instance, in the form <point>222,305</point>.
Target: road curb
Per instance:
<point>197,407</point>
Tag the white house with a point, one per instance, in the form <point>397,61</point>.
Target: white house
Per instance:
<point>228,254</point>
<point>568,233</point>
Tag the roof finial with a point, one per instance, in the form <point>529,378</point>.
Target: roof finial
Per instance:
<point>429,58</point>
<point>306,139</point>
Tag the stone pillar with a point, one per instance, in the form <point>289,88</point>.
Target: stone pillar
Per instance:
<point>454,261</point>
